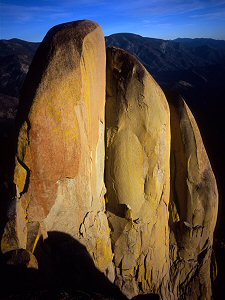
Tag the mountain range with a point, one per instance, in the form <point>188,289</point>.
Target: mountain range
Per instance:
<point>15,58</point>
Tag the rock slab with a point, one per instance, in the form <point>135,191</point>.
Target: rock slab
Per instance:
<point>60,154</point>
<point>137,174</point>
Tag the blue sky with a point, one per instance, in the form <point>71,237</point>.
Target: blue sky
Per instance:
<point>167,19</point>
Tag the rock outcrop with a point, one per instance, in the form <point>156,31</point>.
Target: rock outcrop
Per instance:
<point>60,154</point>
<point>193,207</point>
<point>153,230</point>
<point>162,241</point>
<point>137,174</point>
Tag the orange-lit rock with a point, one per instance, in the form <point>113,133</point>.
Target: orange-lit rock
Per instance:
<point>60,153</point>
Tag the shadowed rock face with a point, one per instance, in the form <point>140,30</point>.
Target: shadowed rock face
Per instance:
<point>137,174</point>
<point>161,192</point>
<point>60,153</point>
<point>193,206</point>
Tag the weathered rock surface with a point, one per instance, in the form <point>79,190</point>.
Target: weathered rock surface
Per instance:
<point>137,174</point>
<point>193,207</point>
<point>60,154</point>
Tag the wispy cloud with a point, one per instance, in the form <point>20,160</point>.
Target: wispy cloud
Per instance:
<point>157,8</point>
<point>210,15</point>
<point>150,23</point>
<point>135,8</point>
<point>162,8</point>
<point>24,14</point>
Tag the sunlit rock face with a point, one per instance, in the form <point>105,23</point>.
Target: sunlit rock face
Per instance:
<point>60,154</point>
<point>193,207</point>
<point>137,174</point>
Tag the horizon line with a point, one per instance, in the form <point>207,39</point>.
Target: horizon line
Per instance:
<point>132,33</point>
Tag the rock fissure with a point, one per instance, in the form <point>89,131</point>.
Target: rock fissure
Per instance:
<point>27,178</point>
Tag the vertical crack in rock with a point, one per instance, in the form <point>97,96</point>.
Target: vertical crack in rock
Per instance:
<point>26,180</point>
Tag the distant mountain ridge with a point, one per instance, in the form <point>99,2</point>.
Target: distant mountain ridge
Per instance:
<point>201,41</point>
<point>15,58</point>
<point>189,56</point>
<point>17,46</point>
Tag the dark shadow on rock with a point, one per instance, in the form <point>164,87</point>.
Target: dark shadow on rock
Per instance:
<point>68,265</point>
<point>7,164</point>
<point>218,285</point>
<point>66,271</point>
<point>17,281</point>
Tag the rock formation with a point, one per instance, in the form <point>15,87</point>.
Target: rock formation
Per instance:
<point>137,174</point>
<point>60,154</point>
<point>155,233</point>
<point>161,242</point>
<point>193,206</point>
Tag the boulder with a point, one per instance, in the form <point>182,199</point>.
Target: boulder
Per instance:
<point>137,175</point>
<point>59,166</point>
